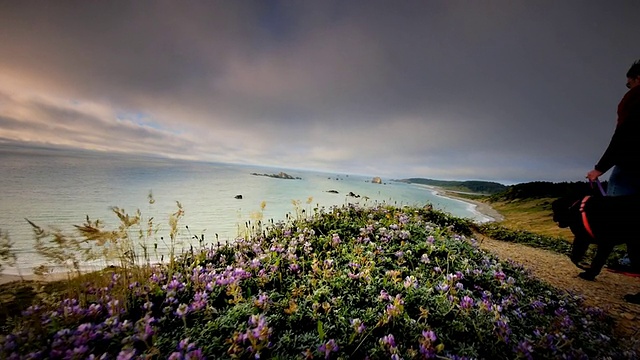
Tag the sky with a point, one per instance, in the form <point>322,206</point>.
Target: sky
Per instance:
<point>506,91</point>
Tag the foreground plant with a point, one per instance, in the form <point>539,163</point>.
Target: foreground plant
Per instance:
<point>349,282</point>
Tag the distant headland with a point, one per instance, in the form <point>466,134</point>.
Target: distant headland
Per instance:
<point>471,186</point>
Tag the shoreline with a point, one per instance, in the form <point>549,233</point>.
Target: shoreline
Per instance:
<point>9,278</point>
<point>479,206</point>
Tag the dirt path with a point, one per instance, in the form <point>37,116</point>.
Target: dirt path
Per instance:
<point>606,292</point>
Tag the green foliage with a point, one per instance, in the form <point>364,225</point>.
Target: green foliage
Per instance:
<point>544,189</point>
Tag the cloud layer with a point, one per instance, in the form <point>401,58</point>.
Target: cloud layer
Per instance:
<point>442,89</point>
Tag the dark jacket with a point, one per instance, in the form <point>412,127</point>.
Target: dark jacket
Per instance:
<point>623,149</point>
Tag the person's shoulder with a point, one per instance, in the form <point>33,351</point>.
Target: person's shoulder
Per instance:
<point>633,94</point>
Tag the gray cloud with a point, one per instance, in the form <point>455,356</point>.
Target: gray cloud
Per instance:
<point>446,89</point>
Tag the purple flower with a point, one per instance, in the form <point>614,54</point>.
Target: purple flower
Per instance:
<point>254,264</point>
<point>144,327</point>
<point>126,354</point>
<point>182,310</point>
<point>112,307</point>
<point>466,302</point>
<point>195,355</point>
<point>357,325</point>
<point>185,345</point>
<point>429,335</point>
<point>524,349</point>
<point>80,350</point>
<point>328,348</point>
<point>442,287</point>
<point>262,300</point>
<point>199,301</point>
<point>410,281</point>
<point>389,340</point>
<point>503,331</point>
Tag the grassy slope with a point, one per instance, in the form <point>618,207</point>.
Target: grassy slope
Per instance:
<point>532,215</point>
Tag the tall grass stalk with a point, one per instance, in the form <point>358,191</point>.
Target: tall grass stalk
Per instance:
<point>7,255</point>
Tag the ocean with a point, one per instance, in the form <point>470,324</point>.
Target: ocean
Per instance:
<point>58,189</point>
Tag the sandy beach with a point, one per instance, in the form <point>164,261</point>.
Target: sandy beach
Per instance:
<point>482,208</point>
<point>7,278</point>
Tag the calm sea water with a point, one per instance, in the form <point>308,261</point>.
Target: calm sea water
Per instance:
<point>58,190</point>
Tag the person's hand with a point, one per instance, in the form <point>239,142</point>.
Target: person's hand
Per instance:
<point>593,175</point>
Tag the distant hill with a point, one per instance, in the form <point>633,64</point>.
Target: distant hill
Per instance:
<point>471,186</point>
<point>544,189</point>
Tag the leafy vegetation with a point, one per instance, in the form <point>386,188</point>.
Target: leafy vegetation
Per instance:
<point>347,282</point>
<point>544,189</point>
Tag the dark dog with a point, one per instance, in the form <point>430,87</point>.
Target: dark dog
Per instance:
<point>602,220</point>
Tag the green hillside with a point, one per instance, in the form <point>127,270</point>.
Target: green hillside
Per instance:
<point>544,189</point>
<point>472,186</point>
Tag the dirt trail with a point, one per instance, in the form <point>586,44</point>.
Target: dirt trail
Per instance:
<point>606,292</point>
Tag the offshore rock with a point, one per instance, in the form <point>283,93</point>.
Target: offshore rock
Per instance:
<point>281,175</point>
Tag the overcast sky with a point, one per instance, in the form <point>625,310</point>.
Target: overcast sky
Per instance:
<point>509,91</point>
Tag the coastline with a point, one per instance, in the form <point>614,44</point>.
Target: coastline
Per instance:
<point>479,206</point>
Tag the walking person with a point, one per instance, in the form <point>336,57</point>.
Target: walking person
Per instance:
<point>623,154</point>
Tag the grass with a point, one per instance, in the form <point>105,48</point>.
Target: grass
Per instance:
<point>531,215</point>
<point>341,283</point>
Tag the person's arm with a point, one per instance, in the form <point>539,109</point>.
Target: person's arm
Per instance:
<point>612,153</point>
<point>623,136</point>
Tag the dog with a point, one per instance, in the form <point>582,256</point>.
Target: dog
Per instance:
<point>606,221</point>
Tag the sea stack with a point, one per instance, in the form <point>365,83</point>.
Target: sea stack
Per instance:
<point>376,180</point>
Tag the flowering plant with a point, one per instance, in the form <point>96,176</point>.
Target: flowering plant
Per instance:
<point>347,282</point>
